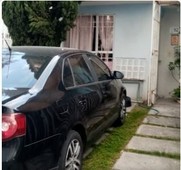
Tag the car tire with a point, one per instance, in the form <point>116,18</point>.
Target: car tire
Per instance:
<point>122,111</point>
<point>72,152</point>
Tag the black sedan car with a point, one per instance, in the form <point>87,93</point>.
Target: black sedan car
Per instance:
<point>55,101</point>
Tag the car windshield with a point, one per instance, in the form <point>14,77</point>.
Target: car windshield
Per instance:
<point>21,70</point>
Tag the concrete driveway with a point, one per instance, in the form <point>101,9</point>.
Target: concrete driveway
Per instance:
<point>156,144</point>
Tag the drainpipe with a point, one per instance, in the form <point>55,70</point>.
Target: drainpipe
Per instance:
<point>150,59</point>
<point>154,53</point>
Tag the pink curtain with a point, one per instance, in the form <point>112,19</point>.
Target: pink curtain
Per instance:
<point>81,35</point>
<point>106,36</point>
<point>74,34</point>
<point>106,31</point>
<point>86,33</point>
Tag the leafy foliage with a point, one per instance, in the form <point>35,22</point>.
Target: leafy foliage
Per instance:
<point>176,92</point>
<point>39,22</point>
<point>175,66</point>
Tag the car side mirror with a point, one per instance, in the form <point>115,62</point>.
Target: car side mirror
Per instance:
<point>118,75</point>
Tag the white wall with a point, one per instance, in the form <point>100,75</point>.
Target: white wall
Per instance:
<point>170,17</point>
<point>133,31</point>
<point>132,37</point>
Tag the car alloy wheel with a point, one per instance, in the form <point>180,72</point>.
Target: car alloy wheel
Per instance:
<point>122,112</point>
<point>123,108</point>
<point>71,153</point>
<point>72,160</point>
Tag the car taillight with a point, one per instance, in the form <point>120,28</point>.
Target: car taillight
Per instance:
<point>13,125</point>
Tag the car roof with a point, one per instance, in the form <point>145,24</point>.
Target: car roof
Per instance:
<point>43,50</point>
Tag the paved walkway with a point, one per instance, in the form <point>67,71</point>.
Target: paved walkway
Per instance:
<point>159,134</point>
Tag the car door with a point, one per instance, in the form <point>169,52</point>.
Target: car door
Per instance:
<point>110,88</point>
<point>84,92</point>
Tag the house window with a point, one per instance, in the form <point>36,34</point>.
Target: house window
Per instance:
<point>93,33</point>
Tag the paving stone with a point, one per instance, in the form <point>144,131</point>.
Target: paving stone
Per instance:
<point>165,111</point>
<point>154,145</point>
<point>163,121</point>
<point>158,131</point>
<point>167,103</point>
<point>134,161</point>
<point>164,115</point>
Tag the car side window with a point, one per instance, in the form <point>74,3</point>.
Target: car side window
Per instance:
<point>102,71</point>
<point>81,72</point>
<point>67,75</point>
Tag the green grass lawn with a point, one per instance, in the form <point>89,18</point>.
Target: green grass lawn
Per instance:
<point>107,152</point>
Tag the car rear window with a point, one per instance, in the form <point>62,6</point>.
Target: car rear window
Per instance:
<point>21,70</point>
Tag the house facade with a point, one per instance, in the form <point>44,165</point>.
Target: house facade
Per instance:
<point>137,38</point>
<point>134,38</point>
